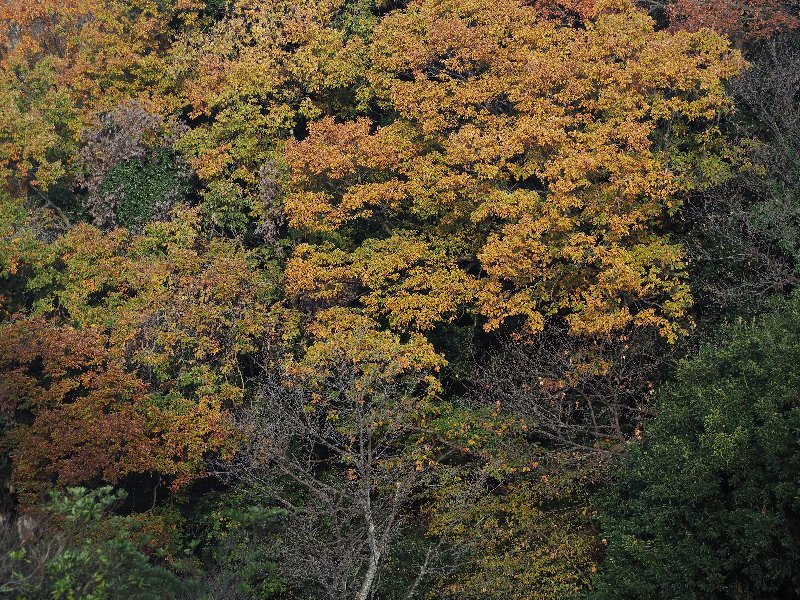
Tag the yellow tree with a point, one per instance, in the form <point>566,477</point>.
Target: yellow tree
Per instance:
<point>522,169</point>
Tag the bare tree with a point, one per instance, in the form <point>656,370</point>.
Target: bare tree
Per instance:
<point>272,218</point>
<point>744,235</point>
<point>336,458</point>
<point>583,395</point>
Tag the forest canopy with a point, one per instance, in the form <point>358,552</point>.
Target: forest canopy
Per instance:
<point>399,299</point>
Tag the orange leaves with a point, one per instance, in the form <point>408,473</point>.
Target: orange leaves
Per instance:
<point>525,149</point>
<point>440,63</point>
<point>355,174</point>
<point>187,431</point>
<point>325,134</point>
<point>98,435</point>
<point>57,353</point>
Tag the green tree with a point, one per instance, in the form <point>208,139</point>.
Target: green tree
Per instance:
<point>241,542</point>
<point>709,505</point>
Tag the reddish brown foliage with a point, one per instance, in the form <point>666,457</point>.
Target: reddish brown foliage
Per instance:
<point>85,421</point>
<point>741,20</point>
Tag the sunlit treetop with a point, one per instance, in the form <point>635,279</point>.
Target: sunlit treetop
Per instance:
<point>535,161</point>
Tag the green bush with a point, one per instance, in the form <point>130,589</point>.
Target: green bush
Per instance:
<point>240,538</point>
<point>142,188</point>
<point>82,551</point>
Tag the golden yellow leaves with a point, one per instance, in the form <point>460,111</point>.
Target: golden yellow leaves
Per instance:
<point>523,152</point>
<point>402,278</point>
<point>343,340</point>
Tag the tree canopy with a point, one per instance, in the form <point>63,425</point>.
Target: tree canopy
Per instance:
<point>397,299</point>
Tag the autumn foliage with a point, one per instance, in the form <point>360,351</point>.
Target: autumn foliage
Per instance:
<point>740,20</point>
<point>365,298</point>
<point>141,379</point>
<point>516,175</point>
